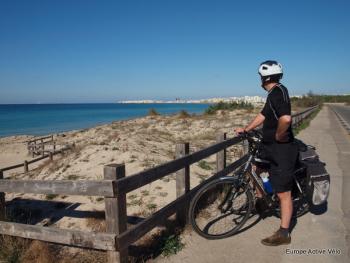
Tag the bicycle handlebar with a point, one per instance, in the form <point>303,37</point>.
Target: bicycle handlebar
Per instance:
<point>251,134</point>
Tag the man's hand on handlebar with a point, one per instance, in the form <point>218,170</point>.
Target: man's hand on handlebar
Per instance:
<point>239,131</point>
<point>251,133</point>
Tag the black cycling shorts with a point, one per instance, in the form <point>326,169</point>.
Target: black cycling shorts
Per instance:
<point>283,158</point>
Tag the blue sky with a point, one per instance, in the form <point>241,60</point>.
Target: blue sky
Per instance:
<point>103,51</point>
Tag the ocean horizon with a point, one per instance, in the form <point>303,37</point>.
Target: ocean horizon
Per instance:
<point>43,119</point>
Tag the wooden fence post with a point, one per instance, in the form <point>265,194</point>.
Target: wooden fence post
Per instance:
<point>42,148</point>
<point>33,149</point>
<point>26,169</point>
<point>245,146</point>
<point>54,145</point>
<point>51,156</point>
<point>182,181</point>
<point>221,156</point>
<point>297,121</point>
<point>116,216</point>
<point>2,200</point>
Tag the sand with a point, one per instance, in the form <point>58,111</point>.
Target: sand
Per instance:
<point>140,143</point>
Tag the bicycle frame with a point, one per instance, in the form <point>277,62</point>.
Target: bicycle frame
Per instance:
<point>248,169</point>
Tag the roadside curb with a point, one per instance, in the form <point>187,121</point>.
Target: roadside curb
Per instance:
<point>344,123</point>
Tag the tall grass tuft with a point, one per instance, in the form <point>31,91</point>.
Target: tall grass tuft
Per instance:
<point>184,114</point>
<point>153,112</point>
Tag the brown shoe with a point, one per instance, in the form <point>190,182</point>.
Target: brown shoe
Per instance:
<point>276,239</point>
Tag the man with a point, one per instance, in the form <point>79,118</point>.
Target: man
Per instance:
<point>279,146</point>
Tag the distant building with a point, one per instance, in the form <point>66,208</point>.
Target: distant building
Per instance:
<point>255,100</point>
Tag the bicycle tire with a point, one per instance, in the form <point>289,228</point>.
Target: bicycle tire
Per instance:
<point>211,186</point>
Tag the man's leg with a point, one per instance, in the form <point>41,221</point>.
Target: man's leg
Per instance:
<point>282,236</point>
<point>286,205</point>
<point>258,171</point>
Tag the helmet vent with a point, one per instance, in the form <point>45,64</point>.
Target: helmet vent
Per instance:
<point>264,67</point>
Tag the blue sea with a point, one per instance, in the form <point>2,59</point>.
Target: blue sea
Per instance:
<point>42,119</point>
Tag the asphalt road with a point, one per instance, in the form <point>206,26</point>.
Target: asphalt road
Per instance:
<point>343,111</point>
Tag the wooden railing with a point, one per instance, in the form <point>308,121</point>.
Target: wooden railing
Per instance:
<point>300,116</point>
<point>37,146</point>
<point>104,241</point>
<point>118,237</point>
<point>48,154</point>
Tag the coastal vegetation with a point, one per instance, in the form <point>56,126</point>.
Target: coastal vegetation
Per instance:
<point>204,165</point>
<point>171,245</point>
<point>184,114</point>
<point>153,112</point>
<point>312,99</point>
<point>229,106</point>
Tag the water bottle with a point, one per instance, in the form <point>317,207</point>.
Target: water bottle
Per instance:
<point>267,185</point>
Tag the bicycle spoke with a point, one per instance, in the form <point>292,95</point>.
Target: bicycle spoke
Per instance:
<point>228,207</point>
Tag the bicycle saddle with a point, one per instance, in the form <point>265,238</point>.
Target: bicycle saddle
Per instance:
<point>262,163</point>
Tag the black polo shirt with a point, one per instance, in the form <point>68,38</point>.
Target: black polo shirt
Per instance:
<point>277,104</point>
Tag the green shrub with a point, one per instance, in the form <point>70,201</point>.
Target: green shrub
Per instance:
<point>51,196</point>
<point>204,165</point>
<point>72,177</point>
<point>228,106</point>
<point>184,114</point>
<point>171,245</point>
<point>153,112</point>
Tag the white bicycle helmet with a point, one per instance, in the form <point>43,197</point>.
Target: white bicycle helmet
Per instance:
<point>270,70</point>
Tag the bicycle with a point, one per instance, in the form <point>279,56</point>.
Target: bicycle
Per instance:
<point>228,202</point>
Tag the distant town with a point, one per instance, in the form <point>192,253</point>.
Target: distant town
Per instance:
<point>247,99</point>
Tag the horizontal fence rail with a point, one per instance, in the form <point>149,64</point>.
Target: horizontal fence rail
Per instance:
<point>26,163</point>
<point>75,238</point>
<point>135,181</point>
<point>40,139</point>
<point>118,237</point>
<point>136,232</point>
<point>63,187</point>
<point>297,118</point>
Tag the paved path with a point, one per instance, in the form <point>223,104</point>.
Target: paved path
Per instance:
<point>328,230</point>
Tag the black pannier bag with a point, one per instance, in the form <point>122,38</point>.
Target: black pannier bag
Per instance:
<point>318,180</point>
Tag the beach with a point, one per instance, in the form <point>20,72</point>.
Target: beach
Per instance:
<point>140,143</point>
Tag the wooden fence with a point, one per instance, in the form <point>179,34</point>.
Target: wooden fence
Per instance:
<point>118,237</point>
<point>37,145</point>
<point>48,154</point>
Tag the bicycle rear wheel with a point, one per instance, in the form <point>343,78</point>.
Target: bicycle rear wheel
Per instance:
<point>220,208</point>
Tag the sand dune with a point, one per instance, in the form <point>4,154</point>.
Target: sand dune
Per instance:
<point>140,143</point>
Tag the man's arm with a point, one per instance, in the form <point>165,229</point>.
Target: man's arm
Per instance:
<point>283,125</point>
<point>258,120</point>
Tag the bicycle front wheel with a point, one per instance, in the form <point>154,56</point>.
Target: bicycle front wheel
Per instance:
<point>220,208</point>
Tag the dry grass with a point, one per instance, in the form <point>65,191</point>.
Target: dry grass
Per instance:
<point>83,256</point>
<point>183,114</point>
<point>20,250</point>
<point>38,252</point>
<point>155,243</point>
<point>96,224</point>
<point>12,249</point>
<point>153,112</point>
